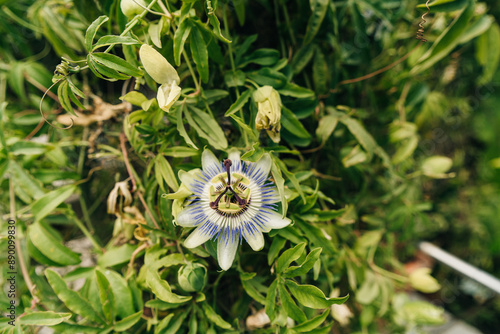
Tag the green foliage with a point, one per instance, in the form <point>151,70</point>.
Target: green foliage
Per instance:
<point>364,168</point>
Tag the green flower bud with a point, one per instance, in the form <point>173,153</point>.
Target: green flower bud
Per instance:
<point>269,111</point>
<point>130,8</point>
<point>421,280</point>
<point>192,277</point>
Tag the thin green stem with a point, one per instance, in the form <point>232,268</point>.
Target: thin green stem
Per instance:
<point>132,23</point>
<point>20,21</point>
<point>233,67</point>
<point>86,232</point>
<point>19,250</point>
<point>86,215</point>
<point>193,74</point>
<point>287,20</point>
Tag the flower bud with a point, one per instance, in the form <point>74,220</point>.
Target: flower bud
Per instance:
<point>131,8</point>
<point>421,280</point>
<point>269,111</point>
<point>167,95</point>
<point>192,277</point>
<point>163,73</point>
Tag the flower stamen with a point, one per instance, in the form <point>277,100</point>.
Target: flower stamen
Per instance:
<point>241,201</point>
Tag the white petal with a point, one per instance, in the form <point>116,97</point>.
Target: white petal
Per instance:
<point>175,93</point>
<point>196,238</point>
<point>263,165</point>
<point>185,218</point>
<point>226,252</point>
<point>255,240</point>
<point>275,221</point>
<point>167,95</point>
<point>189,179</point>
<point>157,66</point>
<point>209,161</point>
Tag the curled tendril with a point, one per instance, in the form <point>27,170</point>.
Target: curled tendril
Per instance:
<point>43,115</point>
<point>420,31</point>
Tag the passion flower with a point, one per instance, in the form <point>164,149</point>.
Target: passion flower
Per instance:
<point>231,201</point>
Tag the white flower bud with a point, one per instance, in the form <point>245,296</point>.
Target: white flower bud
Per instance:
<point>269,111</point>
<point>167,95</point>
<point>163,73</point>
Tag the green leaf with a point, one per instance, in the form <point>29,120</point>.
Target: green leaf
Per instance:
<point>247,129</point>
<point>50,246</point>
<point>369,290</point>
<point>478,27</point>
<point>302,58</point>
<point>280,184</point>
<point>116,63</point>
<point>173,326</point>
<point>214,95</point>
<point>70,298</point>
<point>43,318</point>
<point>488,53</point>
<point>29,148</point>
<point>239,103</point>
<point>154,32</point>
<point>311,296</point>
<point>235,79</point>
<point>180,37</point>
<point>50,201</point>
<point>292,310</point>
<point>276,246</point>
<point>166,172</point>
<point>162,289</point>
<point>214,22</point>
<point>296,91</point>
<point>320,72</point>
<point>106,296</point>
<point>113,39</point>
<point>76,329</point>
<point>315,234</point>
<point>271,300</point>
<point>319,8</point>
<point>181,129</point>
<point>206,127</point>
<point>447,41</point>
<point>25,181</point>
<point>291,177</point>
<point>74,92</point>
<point>263,57</point>
<point>127,322</point>
<point>326,126</point>
<point>289,256</point>
<point>214,317</point>
<point>239,8</point>
<point>122,293</point>
<point>309,325</point>
<point>134,97</point>
<point>64,99</point>
<point>444,5</point>
<point>38,256</point>
<point>104,72</point>
<point>199,53</point>
<point>293,125</point>
<point>116,255</point>
<point>267,76</point>
<point>92,30</point>
<point>251,289</point>
<point>180,152</point>
<point>308,264</point>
